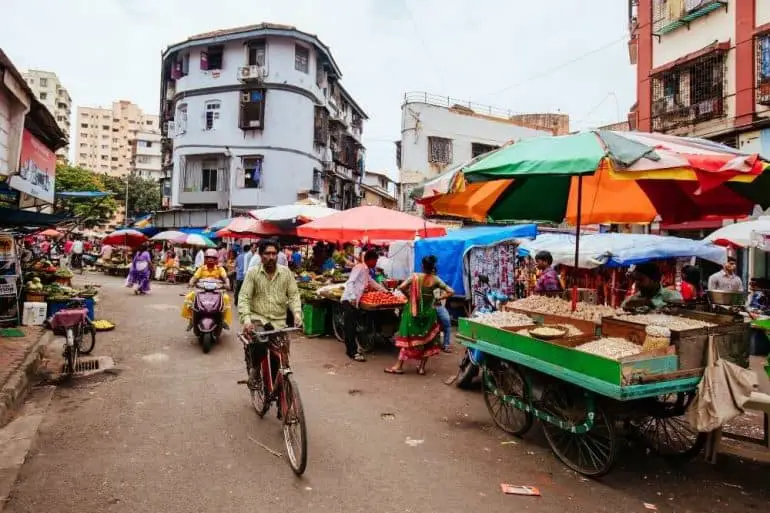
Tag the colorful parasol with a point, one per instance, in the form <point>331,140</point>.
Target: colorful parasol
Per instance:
<point>243,227</point>
<point>370,223</point>
<point>126,237</point>
<point>293,213</point>
<point>51,233</point>
<point>198,241</point>
<point>213,228</point>
<point>740,234</point>
<point>170,236</point>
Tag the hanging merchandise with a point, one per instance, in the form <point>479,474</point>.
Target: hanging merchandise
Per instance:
<point>498,264</point>
<point>9,276</point>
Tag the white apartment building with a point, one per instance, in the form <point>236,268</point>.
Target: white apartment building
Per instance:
<point>438,132</point>
<point>107,137</point>
<point>146,161</point>
<point>50,92</point>
<point>254,117</point>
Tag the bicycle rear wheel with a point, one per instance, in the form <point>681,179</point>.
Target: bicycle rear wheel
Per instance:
<point>87,339</point>
<point>294,428</point>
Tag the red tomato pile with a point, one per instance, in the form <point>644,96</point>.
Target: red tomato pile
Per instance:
<point>381,298</point>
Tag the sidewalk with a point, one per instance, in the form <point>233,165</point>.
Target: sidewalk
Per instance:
<point>19,359</point>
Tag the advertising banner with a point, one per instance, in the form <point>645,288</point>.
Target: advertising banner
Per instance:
<point>37,169</point>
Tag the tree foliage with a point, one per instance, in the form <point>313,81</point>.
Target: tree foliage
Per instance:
<point>77,179</point>
<point>143,193</point>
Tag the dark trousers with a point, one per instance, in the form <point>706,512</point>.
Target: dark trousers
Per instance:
<point>237,290</point>
<point>350,320</point>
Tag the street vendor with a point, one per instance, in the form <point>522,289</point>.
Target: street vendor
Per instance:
<point>650,294</point>
<point>359,282</point>
<point>726,280</point>
<point>548,281</point>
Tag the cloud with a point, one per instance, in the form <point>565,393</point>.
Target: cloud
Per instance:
<point>507,54</point>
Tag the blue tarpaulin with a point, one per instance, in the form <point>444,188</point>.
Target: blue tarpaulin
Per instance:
<point>452,247</point>
<point>83,194</point>
<point>621,249</point>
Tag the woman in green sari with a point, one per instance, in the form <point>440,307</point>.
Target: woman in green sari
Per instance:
<point>418,334</point>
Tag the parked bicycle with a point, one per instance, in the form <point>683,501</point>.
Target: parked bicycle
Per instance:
<point>79,333</point>
<point>270,380</point>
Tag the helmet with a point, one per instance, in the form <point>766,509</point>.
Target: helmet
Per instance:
<point>210,253</point>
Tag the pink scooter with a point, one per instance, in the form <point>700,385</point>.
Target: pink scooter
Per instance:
<point>208,312</point>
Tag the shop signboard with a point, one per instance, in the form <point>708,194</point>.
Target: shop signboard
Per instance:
<point>37,169</point>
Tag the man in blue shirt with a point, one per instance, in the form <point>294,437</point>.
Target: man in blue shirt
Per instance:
<point>241,263</point>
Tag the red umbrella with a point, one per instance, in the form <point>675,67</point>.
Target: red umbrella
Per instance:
<point>370,223</point>
<point>249,227</point>
<point>51,233</point>
<point>130,238</point>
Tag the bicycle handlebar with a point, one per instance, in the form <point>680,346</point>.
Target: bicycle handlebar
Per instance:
<point>273,332</point>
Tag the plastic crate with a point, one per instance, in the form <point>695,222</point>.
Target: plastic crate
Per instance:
<point>314,320</point>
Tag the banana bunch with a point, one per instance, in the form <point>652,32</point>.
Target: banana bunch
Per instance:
<point>102,325</point>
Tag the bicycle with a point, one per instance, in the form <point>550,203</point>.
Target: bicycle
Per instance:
<point>268,385</point>
<point>73,318</point>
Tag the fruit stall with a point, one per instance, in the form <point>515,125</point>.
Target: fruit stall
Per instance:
<point>596,376</point>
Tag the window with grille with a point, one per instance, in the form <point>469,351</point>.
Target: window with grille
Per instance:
<point>317,181</point>
<point>252,172</point>
<point>321,126</point>
<point>301,59</point>
<point>690,93</point>
<point>252,109</point>
<point>212,58</point>
<point>209,176</point>
<point>257,53</point>
<point>480,149</point>
<point>439,150</point>
<point>763,69</point>
<point>180,124</point>
<point>211,114</point>
<point>398,154</point>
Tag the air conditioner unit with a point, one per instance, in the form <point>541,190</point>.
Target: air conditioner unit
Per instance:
<point>252,72</point>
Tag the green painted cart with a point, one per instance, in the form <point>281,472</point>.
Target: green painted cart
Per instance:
<point>587,404</point>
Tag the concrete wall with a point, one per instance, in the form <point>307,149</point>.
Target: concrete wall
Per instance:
<point>421,120</point>
<point>13,109</point>
<point>5,127</point>
<point>762,12</point>
<point>286,140</point>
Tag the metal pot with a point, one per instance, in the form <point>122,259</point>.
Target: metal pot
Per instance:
<point>720,297</point>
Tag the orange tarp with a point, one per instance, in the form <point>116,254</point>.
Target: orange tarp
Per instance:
<point>609,201</point>
<point>472,203</point>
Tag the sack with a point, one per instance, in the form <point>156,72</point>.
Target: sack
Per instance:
<point>721,394</point>
<point>141,266</point>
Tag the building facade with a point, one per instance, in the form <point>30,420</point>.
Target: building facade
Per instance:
<point>438,132</point>
<point>29,138</point>
<point>377,189</point>
<point>146,155</point>
<point>256,116</point>
<point>703,69</point>
<point>107,138</point>
<point>49,90</point>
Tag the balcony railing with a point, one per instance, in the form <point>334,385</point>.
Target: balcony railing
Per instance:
<point>669,15</point>
<point>448,103</point>
<point>762,46</point>
<point>688,94</point>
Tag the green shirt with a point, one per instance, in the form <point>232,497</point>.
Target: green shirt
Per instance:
<point>266,299</point>
<point>659,300</point>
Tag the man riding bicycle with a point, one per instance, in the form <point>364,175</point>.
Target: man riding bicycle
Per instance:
<point>268,291</point>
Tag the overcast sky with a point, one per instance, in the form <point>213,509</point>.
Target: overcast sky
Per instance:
<point>544,55</point>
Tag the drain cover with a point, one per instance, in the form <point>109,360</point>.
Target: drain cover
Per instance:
<point>84,365</point>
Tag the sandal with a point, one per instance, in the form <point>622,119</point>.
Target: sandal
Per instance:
<point>421,371</point>
<point>359,357</point>
<point>391,370</point>
<point>446,350</point>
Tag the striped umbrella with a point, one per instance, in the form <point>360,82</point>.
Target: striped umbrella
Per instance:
<point>170,236</point>
<point>126,237</point>
<point>217,226</point>
<point>198,241</point>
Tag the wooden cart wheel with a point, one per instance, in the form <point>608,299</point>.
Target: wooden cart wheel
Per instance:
<point>338,324</point>
<point>665,431</point>
<point>591,453</point>
<point>506,379</point>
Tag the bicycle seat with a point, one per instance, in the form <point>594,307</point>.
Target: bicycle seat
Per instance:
<point>69,317</point>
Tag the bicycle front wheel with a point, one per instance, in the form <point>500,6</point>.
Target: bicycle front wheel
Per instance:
<point>294,427</point>
<point>70,351</point>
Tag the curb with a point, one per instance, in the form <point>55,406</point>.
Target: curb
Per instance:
<point>15,390</point>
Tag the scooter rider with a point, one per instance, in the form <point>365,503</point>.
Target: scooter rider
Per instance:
<point>209,270</point>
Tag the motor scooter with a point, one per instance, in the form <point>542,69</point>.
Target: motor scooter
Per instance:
<point>208,312</point>
<point>490,300</point>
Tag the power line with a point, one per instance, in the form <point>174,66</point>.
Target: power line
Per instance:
<point>560,66</point>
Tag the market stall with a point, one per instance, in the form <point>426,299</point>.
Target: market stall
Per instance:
<point>465,255</point>
<point>635,371</point>
<point>378,321</point>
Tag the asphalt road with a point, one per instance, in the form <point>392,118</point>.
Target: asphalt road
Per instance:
<point>171,431</point>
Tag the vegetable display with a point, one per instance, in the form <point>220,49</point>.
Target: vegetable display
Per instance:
<point>613,348</point>
<point>556,306</point>
<point>377,298</point>
<point>672,322</point>
<point>503,319</point>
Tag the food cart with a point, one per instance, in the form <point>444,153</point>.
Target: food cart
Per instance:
<point>583,386</point>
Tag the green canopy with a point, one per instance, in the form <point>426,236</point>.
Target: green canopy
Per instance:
<point>539,198</point>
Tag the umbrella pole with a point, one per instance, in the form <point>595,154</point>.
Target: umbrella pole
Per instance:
<point>577,242</point>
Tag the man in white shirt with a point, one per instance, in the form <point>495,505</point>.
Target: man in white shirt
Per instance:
<point>77,253</point>
<point>359,281</point>
<point>726,280</point>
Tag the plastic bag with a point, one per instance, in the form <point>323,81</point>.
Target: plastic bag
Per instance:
<point>721,394</point>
